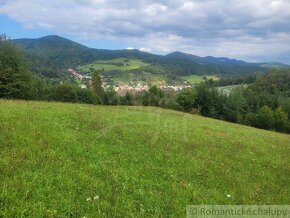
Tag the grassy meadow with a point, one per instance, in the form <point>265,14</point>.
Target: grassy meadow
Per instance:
<point>197,78</point>
<point>72,160</point>
<point>143,78</point>
<point>118,64</point>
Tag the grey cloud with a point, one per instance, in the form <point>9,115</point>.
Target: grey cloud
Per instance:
<point>247,29</point>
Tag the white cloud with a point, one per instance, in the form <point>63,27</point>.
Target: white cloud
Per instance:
<point>247,29</point>
<point>188,6</point>
<point>154,9</point>
<point>145,49</point>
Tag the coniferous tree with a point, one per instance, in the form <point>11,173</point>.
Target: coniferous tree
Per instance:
<point>265,118</point>
<point>97,86</point>
<point>280,120</point>
<point>235,106</point>
<point>186,100</point>
<point>15,80</point>
<point>153,96</point>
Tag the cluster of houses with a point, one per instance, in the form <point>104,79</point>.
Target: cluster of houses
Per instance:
<point>175,88</point>
<point>122,89</point>
<point>77,75</point>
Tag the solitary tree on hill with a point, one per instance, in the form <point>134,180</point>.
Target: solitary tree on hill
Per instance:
<point>97,85</point>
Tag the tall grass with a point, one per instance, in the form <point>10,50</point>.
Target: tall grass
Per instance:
<point>71,160</point>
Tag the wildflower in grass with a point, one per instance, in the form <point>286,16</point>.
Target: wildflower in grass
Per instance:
<point>229,196</point>
<point>96,197</point>
<point>89,199</point>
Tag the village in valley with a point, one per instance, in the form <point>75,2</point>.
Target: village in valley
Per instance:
<point>121,88</point>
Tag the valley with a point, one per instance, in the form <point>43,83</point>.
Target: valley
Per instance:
<point>175,108</point>
<point>129,69</point>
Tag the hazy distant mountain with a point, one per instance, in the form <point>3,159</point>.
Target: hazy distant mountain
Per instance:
<point>224,60</point>
<point>222,65</point>
<point>181,55</point>
<point>210,59</point>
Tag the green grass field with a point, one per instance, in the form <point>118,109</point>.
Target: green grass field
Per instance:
<point>119,64</point>
<point>197,78</point>
<point>143,78</point>
<point>72,160</point>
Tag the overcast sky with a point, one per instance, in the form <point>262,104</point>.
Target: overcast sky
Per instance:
<point>252,30</point>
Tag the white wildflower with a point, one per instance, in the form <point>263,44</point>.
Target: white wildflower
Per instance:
<point>89,199</point>
<point>96,197</point>
<point>229,196</point>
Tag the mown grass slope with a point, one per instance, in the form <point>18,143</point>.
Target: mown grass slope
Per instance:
<point>135,161</point>
<point>118,64</point>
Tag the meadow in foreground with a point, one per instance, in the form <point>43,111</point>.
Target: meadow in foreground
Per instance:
<point>72,160</point>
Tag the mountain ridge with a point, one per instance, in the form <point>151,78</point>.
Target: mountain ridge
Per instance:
<point>66,53</point>
<point>209,57</point>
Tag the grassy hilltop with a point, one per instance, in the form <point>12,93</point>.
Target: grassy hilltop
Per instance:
<point>118,64</point>
<point>135,161</point>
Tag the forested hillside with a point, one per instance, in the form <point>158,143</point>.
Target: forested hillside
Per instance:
<point>66,53</point>
<point>43,67</point>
